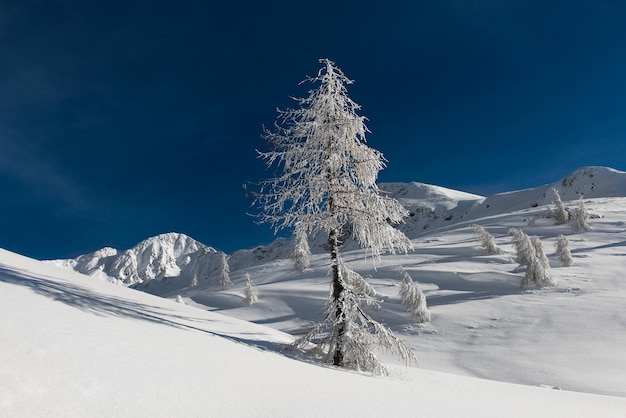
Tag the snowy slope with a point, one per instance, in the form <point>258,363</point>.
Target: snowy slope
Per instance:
<point>570,336</point>
<point>430,205</point>
<point>586,182</point>
<point>434,207</point>
<point>74,346</point>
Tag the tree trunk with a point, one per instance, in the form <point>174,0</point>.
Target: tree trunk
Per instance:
<point>340,327</point>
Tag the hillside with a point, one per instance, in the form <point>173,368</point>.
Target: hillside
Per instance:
<point>74,346</point>
<point>484,325</point>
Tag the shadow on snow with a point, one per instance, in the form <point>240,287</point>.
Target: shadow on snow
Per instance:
<point>82,298</point>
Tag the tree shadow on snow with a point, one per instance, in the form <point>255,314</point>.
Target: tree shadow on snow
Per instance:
<point>82,298</point>
<point>467,287</point>
<point>599,247</point>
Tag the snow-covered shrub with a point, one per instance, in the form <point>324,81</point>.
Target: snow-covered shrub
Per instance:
<point>250,294</point>
<point>413,298</point>
<point>223,274</point>
<point>301,254</point>
<point>563,251</point>
<point>194,281</point>
<point>486,240</point>
<point>179,299</point>
<point>559,213</point>
<point>580,218</point>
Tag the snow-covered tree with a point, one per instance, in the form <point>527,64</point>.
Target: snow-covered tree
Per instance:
<point>413,298</point>
<point>328,185</point>
<point>486,240</point>
<point>179,299</point>
<point>530,254</point>
<point>223,274</point>
<point>559,212</point>
<point>540,252</point>
<point>563,251</point>
<point>580,218</point>
<point>301,254</point>
<point>194,281</point>
<point>523,246</point>
<point>250,294</point>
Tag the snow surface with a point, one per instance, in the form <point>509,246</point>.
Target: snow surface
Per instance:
<point>73,345</point>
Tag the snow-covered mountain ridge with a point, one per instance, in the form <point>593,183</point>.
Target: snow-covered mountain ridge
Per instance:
<point>156,258</point>
<point>434,206</point>
<point>178,256</point>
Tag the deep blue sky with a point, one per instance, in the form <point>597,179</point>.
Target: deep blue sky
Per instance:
<point>120,120</point>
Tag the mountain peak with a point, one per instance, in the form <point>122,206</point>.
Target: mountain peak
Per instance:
<point>157,257</point>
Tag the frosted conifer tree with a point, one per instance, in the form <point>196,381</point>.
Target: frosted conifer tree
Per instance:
<point>540,253</point>
<point>486,240</point>
<point>559,213</point>
<point>301,254</point>
<point>194,281</point>
<point>530,254</point>
<point>580,218</point>
<point>223,274</point>
<point>250,294</point>
<point>563,251</point>
<point>413,298</point>
<point>179,299</point>
<point>523,246</point>
<point>328,185</point>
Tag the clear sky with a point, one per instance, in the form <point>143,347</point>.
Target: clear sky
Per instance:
<point>120,120</point>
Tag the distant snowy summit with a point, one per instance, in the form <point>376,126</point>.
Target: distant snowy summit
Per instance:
<point>430,205</point>
<point>587,182</point>
<point>434,206</point>
<point>151,264</point>
<point>154,259</point>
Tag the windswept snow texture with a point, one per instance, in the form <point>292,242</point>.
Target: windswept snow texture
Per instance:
<point>569,336</point>
<point>75,346</point>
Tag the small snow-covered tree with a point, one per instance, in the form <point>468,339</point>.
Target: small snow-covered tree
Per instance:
<point>530,254</point>
<point>301,254</point>
<point>223,274</point>
<point>540,253</point>
<point>194,281</point>
<point>524,249</point>
<point>413,298</point>
<point>559,212</point>
<point>580,218</point>
<point>487,240</point>
<point>250,294</point>
<point>563,251</point>
<point>179,299</point>
<point>328,185</point>
<point>537,275</point>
